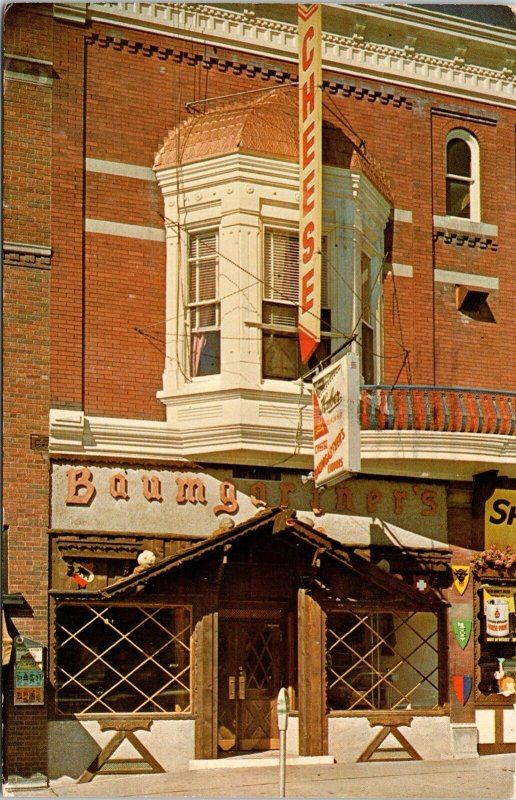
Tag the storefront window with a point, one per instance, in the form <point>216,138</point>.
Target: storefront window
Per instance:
<point>497,639</point>
<point>382,661</point>
<point>122,659</point>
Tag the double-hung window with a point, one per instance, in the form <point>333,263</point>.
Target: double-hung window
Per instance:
<point>280,347</point>
<point>462,175</point>
<point>204,303</point>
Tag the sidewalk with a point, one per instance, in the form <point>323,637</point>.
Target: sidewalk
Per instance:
<point>486,778</point>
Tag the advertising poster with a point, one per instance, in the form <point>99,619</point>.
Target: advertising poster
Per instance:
<point>336,405</point>
<point>28,672</point>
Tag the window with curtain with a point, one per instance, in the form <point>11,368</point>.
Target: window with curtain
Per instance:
<point>280,348</point>
<point>204,303</point>
<point>462,175</point>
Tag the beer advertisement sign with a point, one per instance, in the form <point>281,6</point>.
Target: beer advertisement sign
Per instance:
<point>336,406</point>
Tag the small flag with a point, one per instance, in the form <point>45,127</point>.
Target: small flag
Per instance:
<point>461,575</point>
<point>462,630</point>
<point>462,685</point>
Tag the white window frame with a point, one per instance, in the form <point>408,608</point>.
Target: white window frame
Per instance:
<point>284,228</point>
<point>474,177</point>
<point>193,306</point>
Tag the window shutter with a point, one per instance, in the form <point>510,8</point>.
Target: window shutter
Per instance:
<point>202,256</point>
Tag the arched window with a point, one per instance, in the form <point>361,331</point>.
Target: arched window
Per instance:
<point>462,175</point>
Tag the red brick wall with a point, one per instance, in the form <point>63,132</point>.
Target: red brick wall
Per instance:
<point>26,371</point>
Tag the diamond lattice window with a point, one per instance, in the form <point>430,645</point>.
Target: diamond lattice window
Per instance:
<point>382,661</point>
<point>122,659</point>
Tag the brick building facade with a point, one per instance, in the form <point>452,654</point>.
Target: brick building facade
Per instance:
<point>144,411</point>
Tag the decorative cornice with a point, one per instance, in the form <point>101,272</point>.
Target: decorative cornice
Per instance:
<point>417,61</point>
<point>461,239</point>
<point>450,456</point>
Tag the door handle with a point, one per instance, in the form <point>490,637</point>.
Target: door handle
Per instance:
<point>231,687</point>
<point>241,686</point>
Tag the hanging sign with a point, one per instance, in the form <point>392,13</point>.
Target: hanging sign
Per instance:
<point>28,672</point>
<point>336,401</point>
<point>461,575</point>
<point>462,630</point>
<point>310,178</point>
<point>462,685</point>
<point>499,612</point>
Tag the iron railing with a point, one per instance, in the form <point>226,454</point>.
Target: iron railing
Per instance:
<point>438,408</point>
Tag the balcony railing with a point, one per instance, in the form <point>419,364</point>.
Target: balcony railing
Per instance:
<point>438,408</point>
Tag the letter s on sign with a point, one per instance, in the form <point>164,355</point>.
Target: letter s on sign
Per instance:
<point>498,508</point>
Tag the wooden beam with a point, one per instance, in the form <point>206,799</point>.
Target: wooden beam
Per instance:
<point>313,724</point>
<point>206,684</point>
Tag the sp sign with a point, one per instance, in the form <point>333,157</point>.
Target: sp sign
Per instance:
<point>500,518</point>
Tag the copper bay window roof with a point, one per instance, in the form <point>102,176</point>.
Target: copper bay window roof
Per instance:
<point>263,124</point>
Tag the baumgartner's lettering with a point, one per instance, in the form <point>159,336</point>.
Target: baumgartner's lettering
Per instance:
<point>193,491</point>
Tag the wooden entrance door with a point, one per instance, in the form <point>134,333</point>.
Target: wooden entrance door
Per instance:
<point>249,681</point>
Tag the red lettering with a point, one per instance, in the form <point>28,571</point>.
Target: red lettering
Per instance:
<point>307,54</point>
<point>308,97</point>
<point>258,492</point>
<point>152,488</point>
<point>308,193</point>
<point>118,487</point>
<point>286,489</point>
<point>373,498</point>
<point>228,500</point>
<point>399,498</point>
<point>308,144</point>
<point>343,493</point>
<point>429,500</point>
<point>80,479</point>
<point>308,242</point>
<point>307,283</point>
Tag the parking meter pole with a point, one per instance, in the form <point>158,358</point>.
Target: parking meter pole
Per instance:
<point>283,709</point>
<point>283,762</point>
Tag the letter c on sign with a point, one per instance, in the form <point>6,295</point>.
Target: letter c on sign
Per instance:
<point>308,54</point>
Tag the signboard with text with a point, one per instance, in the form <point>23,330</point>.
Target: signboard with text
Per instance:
<point>500,518</point>
<point>28,672</point>
<point>336,406</point>
<point>310,178</point>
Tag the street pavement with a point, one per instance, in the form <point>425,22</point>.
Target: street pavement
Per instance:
<point>488,778</point>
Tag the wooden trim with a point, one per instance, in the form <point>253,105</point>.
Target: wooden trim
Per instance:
<point>206,684</point>
<point>495,749</point>
<point>498,719</point>
<point>313,724</point>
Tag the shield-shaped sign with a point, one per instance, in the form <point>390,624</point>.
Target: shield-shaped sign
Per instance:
<point>461,574</point>
<point>462,685</point>
<point>462,630</point>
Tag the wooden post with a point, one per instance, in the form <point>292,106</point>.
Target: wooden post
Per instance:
<point>206,684</point>
<point>313,726</point>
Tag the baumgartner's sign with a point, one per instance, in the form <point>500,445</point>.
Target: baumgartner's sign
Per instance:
<point>335,396</point>
<point>310,177</point>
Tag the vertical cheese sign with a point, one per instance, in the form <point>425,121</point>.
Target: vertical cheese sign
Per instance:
<point>336,407</point>
<point>310,178</point>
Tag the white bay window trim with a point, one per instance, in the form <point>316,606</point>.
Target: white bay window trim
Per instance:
<point>238,412</point>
